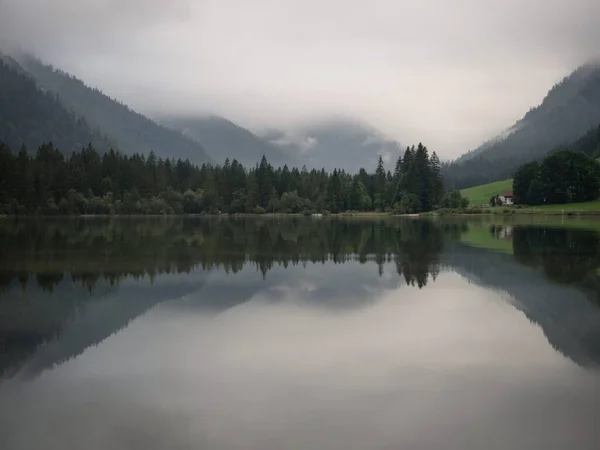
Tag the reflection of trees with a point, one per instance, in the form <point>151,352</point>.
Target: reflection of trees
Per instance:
<point>85,251</point>
<point>61,270</point>
<point>419,246</point>
<point>566,255</point>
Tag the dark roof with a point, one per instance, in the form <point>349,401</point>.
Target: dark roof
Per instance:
<point>508,194</point>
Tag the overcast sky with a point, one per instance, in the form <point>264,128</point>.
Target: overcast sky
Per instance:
<point>450,73</point>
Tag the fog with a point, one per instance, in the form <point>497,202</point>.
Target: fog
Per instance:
<point>448,73</point>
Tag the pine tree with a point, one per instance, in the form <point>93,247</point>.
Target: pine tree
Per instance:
<point>409,155</point>
<point>436,179</point>
<point>355,196</point>
<point>409,182</point>
<point>398,169</point>
<point>252,198</point>
<point>264,179</point>
<point>334,193</point>
<point>425,190</point>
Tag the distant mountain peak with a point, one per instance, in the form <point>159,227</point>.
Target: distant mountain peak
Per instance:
<point>336,142</point>
<point>224,139</point>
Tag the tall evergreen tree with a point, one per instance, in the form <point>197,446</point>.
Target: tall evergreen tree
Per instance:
<point>435,170</point>
<point>425,188</point>
<point>264,180</point>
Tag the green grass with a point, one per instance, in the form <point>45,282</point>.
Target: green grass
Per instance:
<point>568,207</point>
<point>480,236</point>
<point>480,195</point>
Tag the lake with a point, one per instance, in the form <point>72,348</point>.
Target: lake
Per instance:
<point>299,333</point>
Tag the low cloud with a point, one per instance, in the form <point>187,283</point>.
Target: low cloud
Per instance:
<point>290,139</point>
<point>449,74</point>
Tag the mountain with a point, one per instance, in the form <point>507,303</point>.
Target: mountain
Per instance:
<point>31,116</point>
<point>132,132</point>
<point>336,143</point>
<point>569,110</point>
<point>589,143</point>
<point>223,139</point>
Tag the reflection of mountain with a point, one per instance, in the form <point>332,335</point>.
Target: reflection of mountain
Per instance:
<point>100,316</point>
<point>76,283</point>
<point>30,316</point>
<point>566,313</point>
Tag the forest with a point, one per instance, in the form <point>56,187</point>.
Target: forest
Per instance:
<point>89,182</point>
<point>562,177</point>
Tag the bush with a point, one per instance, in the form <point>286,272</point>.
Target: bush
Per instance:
<point>473,211</point>
<point>259,210</point>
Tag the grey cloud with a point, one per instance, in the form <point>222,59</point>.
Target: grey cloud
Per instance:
<point>448,73</point>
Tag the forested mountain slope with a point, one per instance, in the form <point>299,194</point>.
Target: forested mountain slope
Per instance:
<point>223,139</point>
<point>589,143</point>
<point>133,132</point>
<point>567,112</point>
<point>32,116</point>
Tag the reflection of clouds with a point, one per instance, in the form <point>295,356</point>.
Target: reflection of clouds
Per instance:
<point>441,367</point>
<point>347,285</point>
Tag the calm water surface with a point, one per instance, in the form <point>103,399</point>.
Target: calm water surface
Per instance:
<point>272,334</point>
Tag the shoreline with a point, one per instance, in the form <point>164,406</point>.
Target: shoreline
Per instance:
<point>506,212</point>
<point>207,216</point>
<point>516,212</point>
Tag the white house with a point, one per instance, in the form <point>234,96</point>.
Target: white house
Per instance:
<point>507,198</point>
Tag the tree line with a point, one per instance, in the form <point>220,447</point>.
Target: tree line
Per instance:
<point>89,182</point>
<point>562,177</point>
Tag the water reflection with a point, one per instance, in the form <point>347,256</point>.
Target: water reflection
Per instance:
<point>68,277</point>
<point>87,250</point>
<point>299,333</point>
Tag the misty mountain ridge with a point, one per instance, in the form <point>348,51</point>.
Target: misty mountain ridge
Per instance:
<point>568,111</point>
<point>337,142</point>
<point>131,131</point>
<point>330,143</point>
<point>223,139</point>
<point>31,116</point>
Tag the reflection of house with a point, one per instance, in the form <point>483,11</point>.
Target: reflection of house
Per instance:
<point>507,198</point>
<point>506,233</point>
<point>502,232</point>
